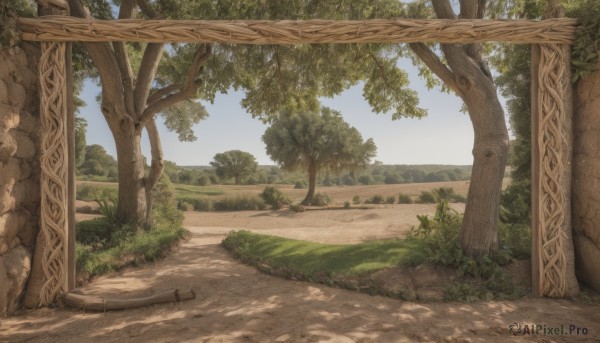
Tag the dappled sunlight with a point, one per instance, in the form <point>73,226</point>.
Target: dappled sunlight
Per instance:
<point>235,302</point>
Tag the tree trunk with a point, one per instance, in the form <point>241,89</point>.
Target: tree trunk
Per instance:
<point>479,233</point>
<point>312,183</point>
<point>132,206</point>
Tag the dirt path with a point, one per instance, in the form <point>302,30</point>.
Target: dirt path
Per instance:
<point>236,303</point>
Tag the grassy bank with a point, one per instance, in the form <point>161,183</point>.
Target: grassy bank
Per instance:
<point>308,260</point>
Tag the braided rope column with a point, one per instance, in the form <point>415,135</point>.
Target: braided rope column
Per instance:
<point>54,177</point>
<point>552,141</point>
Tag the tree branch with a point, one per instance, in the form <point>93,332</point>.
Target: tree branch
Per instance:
<point>158,94</point>
<point>188,89</point>
<point>435,64</point>
<point>146,74</point>
<point>156,165</point>
<point>443,9</point>
<point>126,11</point>
<point>147,9</point>
<point>106,63</point>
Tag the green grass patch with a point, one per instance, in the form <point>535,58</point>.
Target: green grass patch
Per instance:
<point>307,259</point>
<point>98,257</point>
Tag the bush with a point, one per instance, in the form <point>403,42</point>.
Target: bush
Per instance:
<point>515,239</point>
<point>393,179</point>
<point>203,180</point>
<point>448,194</point>
<point>184,205</point>
<point>273,197</point>
<point>91,193</point>
<point>404,199</point>
<point>427,197</point>
<point>298,185</point>
<point>239,203</point>
<point>202,205</point>
<point>346,204</point>
<point>348,180</point>
<point>390,199</point>
<point>320,199</point>
<point>366,180</point>
<point>356,200</point>
<point>375,199</point>
<point>297,208</point>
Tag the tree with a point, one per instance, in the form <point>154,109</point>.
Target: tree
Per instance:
<point>234,164</point>
<point>316,141</point>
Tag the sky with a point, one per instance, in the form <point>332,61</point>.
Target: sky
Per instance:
<point>445,136</point>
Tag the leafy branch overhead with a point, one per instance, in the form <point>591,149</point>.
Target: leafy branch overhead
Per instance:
<point>587,44</point>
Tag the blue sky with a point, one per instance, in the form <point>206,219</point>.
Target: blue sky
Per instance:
<point>445,136</point>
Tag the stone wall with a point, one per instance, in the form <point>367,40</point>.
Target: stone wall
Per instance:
<point>586,180</point>
<point>19,170</point>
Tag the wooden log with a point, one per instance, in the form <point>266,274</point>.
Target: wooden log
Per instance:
<point>96,303</point>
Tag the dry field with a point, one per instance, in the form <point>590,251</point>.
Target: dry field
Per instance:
<point>236,303</point>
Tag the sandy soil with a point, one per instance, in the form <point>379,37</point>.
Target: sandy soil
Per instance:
<point>236,303</point>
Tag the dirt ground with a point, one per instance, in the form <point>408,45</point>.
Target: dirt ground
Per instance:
<point>236,303</point>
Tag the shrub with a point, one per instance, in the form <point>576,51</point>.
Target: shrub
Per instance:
<point>448,194</point>
<point>273,197</point>
<point>297,208</point>
<point>239,203</point>
<point>202,205</point>
<point>427,197</point>
<point>375,199</point>
<point>348,180</point>
<point>366,180</point>
<point>356,200</point>
<point>515,239</point>
<point>298,185</point>
<point>393,179</point>
<point>184,205</point>
<point>91,193</point>
<point>203,180</point>
<point>390,199</point>
<point>346,204</point>
<point>404,199</point>
<point>320,199</point>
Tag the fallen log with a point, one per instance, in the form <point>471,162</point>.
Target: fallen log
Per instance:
<point>96,303</point>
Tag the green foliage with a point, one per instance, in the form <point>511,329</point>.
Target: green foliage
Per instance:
<point>346,204</point>
<point>447,194</point>
<point>273,197</point>
<point>94,192</point>
<point>390,199</point>
<point>515,239</point>
<point>9,12</point>
<point>299,185</point>
<point>97,162</point>
<point>297,208</point>
<point>239,203</point>
<point>356,200</point>
<point>320,199</point>
<point>427,197</point>
<point>234,164</point>
<point>393,179</point>
<point>375,199</point>
<point>366,179</point>
<point>404,199</point>
<point>587,43</point>
<point>440,233</point>
<point>80,142</point>
<point>164,206</point>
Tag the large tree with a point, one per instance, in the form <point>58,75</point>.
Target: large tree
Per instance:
<point>234,164</point>
<point>315,141</point>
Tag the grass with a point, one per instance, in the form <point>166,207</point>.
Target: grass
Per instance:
<point>142,247</point>
<point>307,259</point>
<point>189,191</point>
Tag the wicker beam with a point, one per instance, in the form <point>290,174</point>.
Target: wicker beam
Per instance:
<point>64,28</point>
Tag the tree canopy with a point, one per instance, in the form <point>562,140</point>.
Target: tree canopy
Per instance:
<point>234,164</point>
<point>314,141</point>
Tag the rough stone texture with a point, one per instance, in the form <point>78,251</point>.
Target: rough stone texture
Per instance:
<point>586,180</point>
<point>19,171</point>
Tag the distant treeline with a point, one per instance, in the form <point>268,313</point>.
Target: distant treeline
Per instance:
<point>376,173</point>
<point>96,164</point>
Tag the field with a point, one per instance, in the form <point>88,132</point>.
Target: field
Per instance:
<point>237,303</point>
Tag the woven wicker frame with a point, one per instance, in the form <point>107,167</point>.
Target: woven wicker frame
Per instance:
<point>554,34</point>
